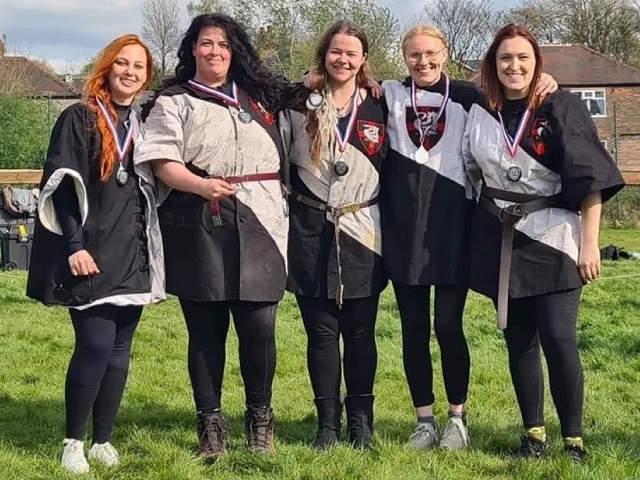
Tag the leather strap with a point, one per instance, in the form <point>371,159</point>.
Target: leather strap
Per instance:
<point>509,216</point>
<point>336,212</point>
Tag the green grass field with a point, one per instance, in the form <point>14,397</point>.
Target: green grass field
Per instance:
<point>156,429</point>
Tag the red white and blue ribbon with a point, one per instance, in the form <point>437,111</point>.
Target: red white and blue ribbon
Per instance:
<point>414,104</point>
<point>512,145</point>
<point>123,146</point>
<point>343,142</point>
<point>231,100</point>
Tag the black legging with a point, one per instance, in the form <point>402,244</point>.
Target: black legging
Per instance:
<point>98,368</point>
<point>413,304</point>
<point>208,324</point>
<point>548,320</point>
<point>324,324</point>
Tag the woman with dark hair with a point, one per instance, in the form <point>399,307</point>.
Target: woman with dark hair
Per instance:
<point>212,140</point>
<point>94,208</point>
<point>541,175</point>
<point>336,144</point>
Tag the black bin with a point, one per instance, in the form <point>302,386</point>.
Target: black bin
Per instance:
<point>16,239</point>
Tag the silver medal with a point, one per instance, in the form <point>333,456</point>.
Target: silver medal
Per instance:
<point>422,155</point>
<point>341,167</point>
<point>315,100</point>
<point>514,173</point>
<point>122,176</point>
<point>245,117</point>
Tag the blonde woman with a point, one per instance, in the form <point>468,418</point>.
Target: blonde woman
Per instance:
<point>426,209</point>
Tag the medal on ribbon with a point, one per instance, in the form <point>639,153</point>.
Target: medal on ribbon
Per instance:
<point>229,100</point>
<point>514,172</point>
<point>122,176</point>
<point>422,155</point>
<point>341,167</point>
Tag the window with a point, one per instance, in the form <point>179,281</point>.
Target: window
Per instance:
<point>594,100</point>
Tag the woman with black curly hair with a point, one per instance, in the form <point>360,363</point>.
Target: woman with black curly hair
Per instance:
<point>213,144</point>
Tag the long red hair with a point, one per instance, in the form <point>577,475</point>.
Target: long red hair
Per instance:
<point>97,87</point>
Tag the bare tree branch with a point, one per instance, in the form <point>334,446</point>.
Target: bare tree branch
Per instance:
<point>161,30</point>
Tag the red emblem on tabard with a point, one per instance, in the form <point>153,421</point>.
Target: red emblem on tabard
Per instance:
<point>371,135</point>
<point>537,136</point>
<point>268,117</point>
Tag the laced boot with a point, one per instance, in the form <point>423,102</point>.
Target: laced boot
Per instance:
<point>329,413</point>
<point>212,436</point>
<point>259,426</point>
<point>360,420</point>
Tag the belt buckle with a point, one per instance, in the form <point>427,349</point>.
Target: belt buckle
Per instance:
<point>352,208</point>
<point>514,210</point>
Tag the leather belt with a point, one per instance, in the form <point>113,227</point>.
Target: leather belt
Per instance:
<point>214,205</point>
<point>509,216</point>
<point>336,212</point>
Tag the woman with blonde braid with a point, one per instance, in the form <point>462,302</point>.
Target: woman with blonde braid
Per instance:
<point>336,145</point>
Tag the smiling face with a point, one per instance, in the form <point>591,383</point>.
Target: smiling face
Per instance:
<point>213,56</point>
<point>128,74</point>
<point>515,63</point>
<point>344,58</point>
<point>425,57</point>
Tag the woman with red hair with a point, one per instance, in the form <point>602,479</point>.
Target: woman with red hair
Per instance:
<point>97,248</point>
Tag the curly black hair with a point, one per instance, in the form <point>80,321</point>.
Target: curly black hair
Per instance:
<point>246,68</point>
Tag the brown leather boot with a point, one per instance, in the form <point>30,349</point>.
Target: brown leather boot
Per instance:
<point>259,427</point>
<point>212,436</point>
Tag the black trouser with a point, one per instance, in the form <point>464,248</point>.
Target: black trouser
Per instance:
<point>413,304</point>
<point>324,324</point>
<point>98,368</point>
<point>208,324</point>
<point>548,320</point>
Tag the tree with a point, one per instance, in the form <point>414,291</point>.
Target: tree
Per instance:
<point>161,30</point>
<point>206,6</point>
<point>611,27</point>
<point>467,25</point>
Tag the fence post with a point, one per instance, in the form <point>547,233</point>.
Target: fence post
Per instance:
<point>617,149</point>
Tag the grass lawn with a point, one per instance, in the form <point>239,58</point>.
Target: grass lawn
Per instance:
<point>156,429</point>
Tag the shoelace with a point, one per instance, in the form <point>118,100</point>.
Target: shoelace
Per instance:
<point>423,430</point>
<point>454,426</point>
<point>214,432</point>
<point>260,430</point>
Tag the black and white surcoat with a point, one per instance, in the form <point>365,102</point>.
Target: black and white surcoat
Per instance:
<point>313,256</point>
<point>426,199</point>
<point>558,152</point>
<point>118,223</point>
<point>243,258</point>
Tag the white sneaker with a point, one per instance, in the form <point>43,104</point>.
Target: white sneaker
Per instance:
<point>423,437</point>
<point>105,454</point>
<point>455,435</point>
<point>73,459</point>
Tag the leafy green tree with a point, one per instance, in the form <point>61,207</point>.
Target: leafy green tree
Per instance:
<point>24,130</point>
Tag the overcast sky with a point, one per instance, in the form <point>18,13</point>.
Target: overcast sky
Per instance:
<point>67,33</point>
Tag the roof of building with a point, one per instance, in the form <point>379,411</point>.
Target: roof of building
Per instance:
<point>578,65</point>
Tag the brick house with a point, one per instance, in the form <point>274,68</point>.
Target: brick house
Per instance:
<point>611,92</point>
<point>40,83</point>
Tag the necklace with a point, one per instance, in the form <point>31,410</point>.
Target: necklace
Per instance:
<point>342,110</point>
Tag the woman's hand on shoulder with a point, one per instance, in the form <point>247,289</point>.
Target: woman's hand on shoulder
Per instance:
<point>375,88</point>
<point>313,79</point>
<point>546,85</point>
<point>82,263</point>
<point>215,189</point>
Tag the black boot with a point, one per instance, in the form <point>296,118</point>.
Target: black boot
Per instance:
<point>212,436</point>
<point>360,420</point>
<point>259,426</point>
<point>329,413</point>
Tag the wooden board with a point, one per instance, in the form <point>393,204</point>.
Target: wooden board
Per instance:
<point>16,177</point>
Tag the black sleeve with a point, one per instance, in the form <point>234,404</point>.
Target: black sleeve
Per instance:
<point>586,166</point>
<point>295,96</point>
<point>65,202</point>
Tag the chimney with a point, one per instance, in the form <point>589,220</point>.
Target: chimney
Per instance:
<point>68,78</point>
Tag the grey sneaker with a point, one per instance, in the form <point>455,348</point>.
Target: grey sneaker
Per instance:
<point>423,437</point>
<point>455,435</point>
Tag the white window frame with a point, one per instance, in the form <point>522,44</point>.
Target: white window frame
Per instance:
<point>593,94</point>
